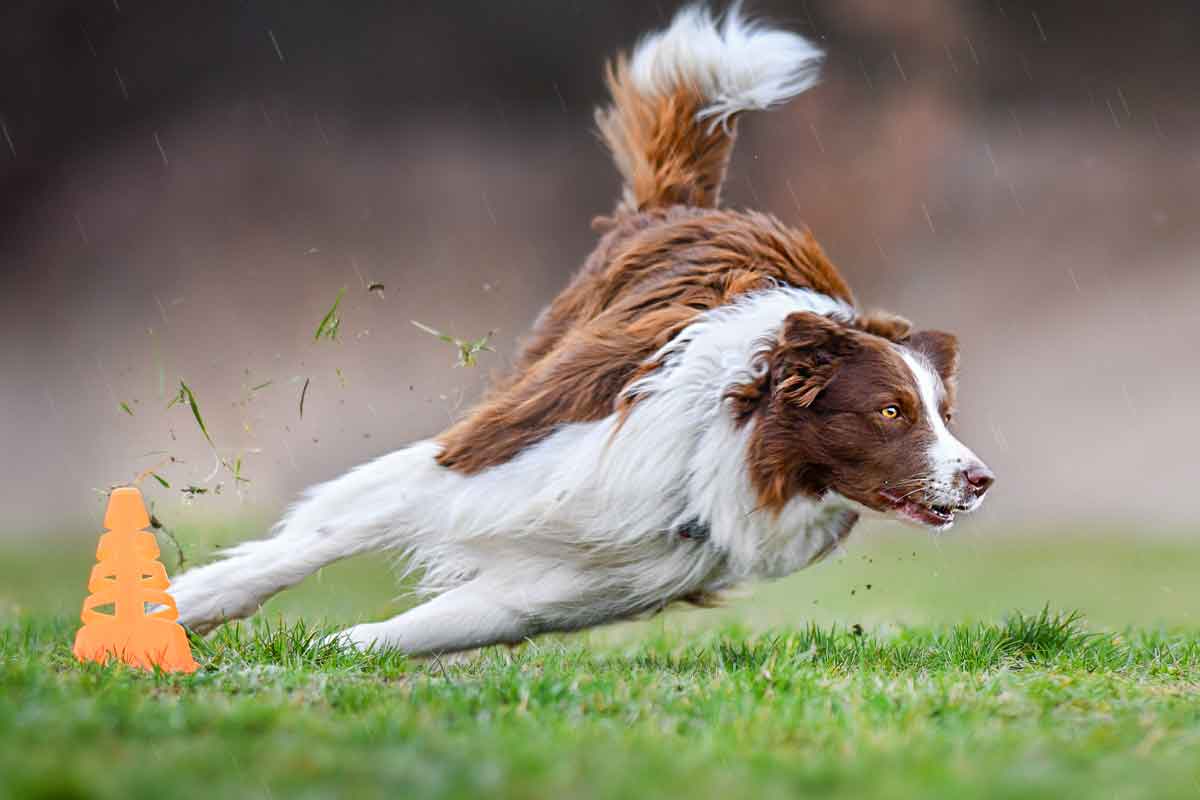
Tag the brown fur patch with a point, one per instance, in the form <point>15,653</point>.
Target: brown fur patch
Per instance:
<point>647,280</point>
<point>665,156</point>
<point>885,324</point>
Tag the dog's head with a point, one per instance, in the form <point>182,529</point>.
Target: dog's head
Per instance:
<point>863,409</point>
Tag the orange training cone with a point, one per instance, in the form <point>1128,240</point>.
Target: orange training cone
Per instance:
<point>130,577</point>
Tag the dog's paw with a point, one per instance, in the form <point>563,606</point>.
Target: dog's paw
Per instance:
<point>202,608</point>
<point>359,638</point>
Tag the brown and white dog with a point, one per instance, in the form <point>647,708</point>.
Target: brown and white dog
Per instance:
<point>702,406</point>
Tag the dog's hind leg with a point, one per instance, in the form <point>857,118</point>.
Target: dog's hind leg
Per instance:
<point>359,512</point>
<point>251,573</point>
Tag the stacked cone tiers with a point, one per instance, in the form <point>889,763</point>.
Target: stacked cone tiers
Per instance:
<point>129,577</point>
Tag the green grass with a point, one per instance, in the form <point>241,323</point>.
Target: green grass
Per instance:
<point>928,684</point>
<point>1033,707</point>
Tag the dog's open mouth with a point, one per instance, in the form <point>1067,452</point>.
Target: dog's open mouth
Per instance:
<point>912,508</point>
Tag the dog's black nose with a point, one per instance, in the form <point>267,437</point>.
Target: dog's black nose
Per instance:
<point>979,477</point>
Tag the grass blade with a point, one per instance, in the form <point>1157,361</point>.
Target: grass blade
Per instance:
<point>468,351</point>
<point>330,323</point>
<point>185,393</point>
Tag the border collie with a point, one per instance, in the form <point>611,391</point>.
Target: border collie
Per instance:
<point>703,405</point>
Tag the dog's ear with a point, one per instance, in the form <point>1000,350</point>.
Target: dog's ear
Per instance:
<point>892,327</point>
<point>807,356</point>
<point>941,349</point>
<point>796,366</point>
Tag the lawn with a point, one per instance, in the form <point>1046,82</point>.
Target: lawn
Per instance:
<point>909,667</point>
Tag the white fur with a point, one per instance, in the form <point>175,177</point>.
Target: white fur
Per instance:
<point>737,64</point>
<point>579,529</point>
<point>948,457</point>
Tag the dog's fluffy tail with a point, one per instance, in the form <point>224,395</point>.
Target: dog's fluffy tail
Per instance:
<point>675,102</point>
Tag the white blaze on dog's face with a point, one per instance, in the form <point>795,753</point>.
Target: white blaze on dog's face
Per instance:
<point>843,409</point>
<point>956,479</point>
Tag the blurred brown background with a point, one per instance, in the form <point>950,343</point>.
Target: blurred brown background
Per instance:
<point>186,187</point>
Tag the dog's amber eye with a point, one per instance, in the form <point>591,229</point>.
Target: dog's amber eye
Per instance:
<point>890,412</point>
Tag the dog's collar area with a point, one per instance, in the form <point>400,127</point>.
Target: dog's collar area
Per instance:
<point>695,530</point>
